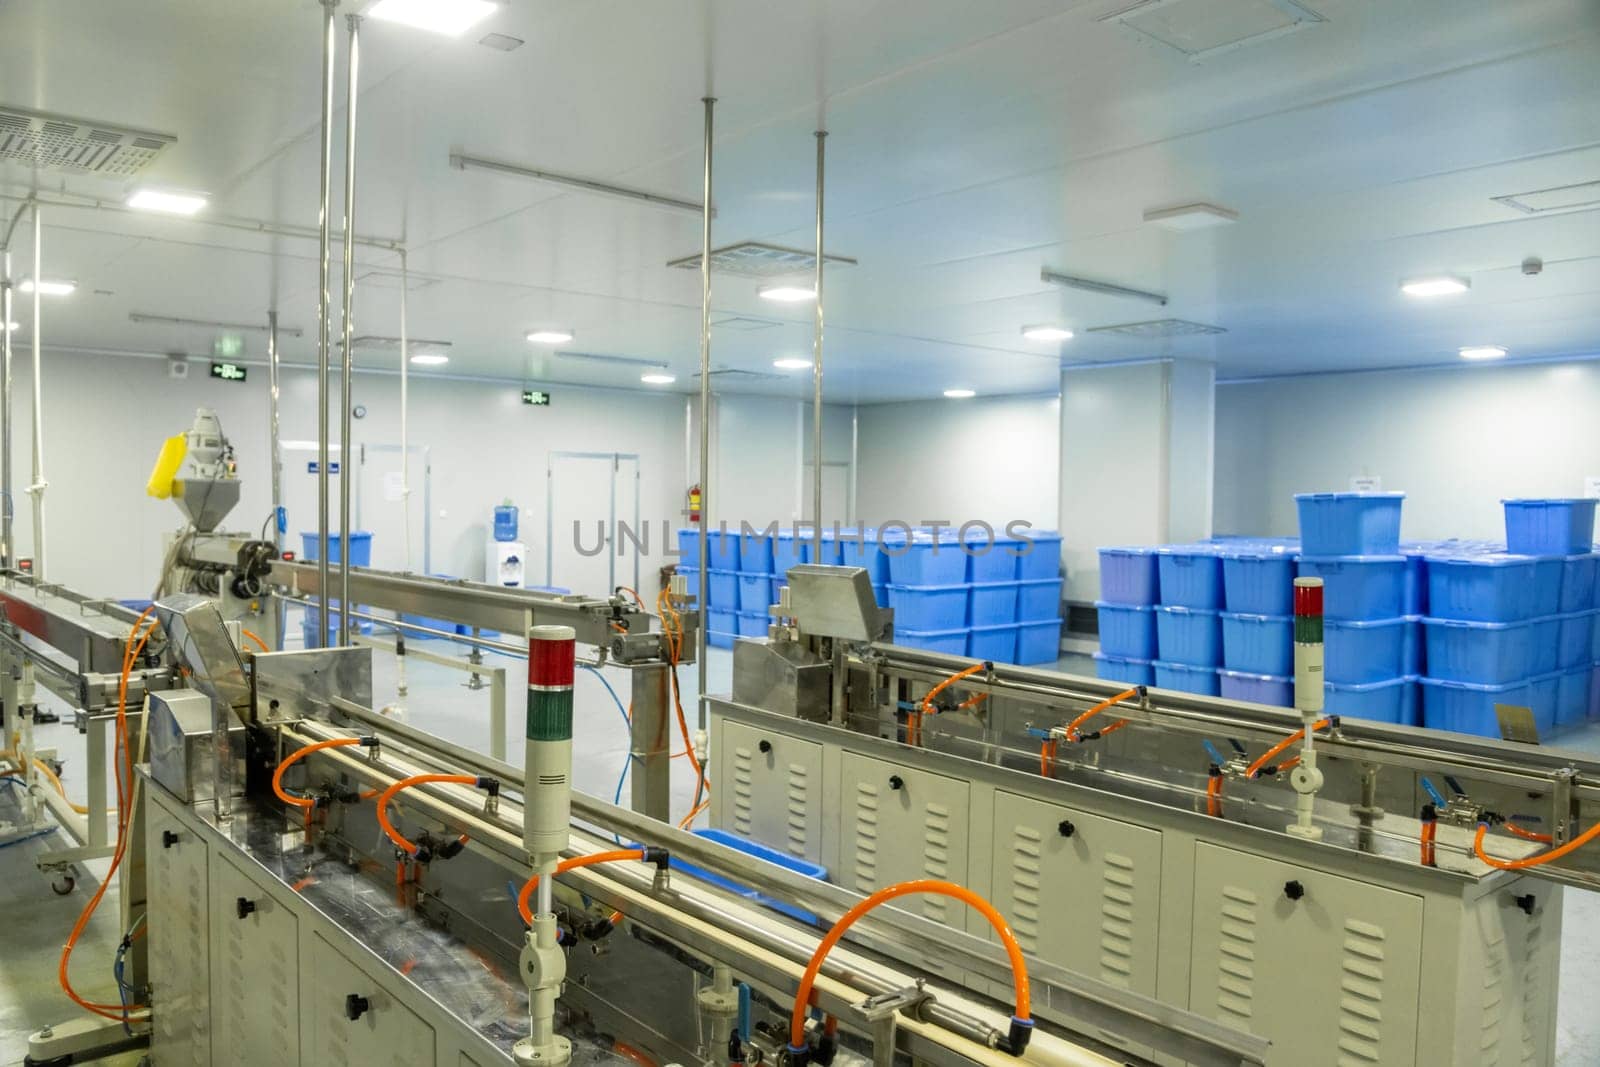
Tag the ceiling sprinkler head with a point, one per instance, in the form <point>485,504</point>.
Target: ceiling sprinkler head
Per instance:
<point>1532,265</point>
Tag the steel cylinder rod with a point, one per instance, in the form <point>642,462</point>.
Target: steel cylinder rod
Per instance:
<point>323,332</point>
<point>6,560</point>
<point>707,498</point>
<point>816,372</point>
<point>275,456</point>
<point>346,402</point>
<point>37,488</point>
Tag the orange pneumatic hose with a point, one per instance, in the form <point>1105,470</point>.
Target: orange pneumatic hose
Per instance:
<point>300,754</point>
<point>1537,860</point>
<point>1019,967</point>
<point>1126,694</point>
<point>914,724</point>
<point>614,856</point>
<point>400,840</point>
<point>1271,753</point>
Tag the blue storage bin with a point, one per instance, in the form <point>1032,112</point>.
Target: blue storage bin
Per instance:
<point>755,592</point>
<point>1126,630</point>
<point>1184,678</point>
<point>880,593</point>
<point>788,551</point>
<point>1543,693</point>
<point>753,623</point>
<point>953,642</point>
<point>1039,599</point>
<point>1259,581</point>
<point>1485,653</point>
<point>832,549</point>
<point>718,639</point>
<point>1575,641</point>
<point>1550,527</point>
<point>1578,582</point>
<point>860,548</point>
<point>1129,576</point>
<point>991,555</point>
<point>722,589</point>
<point>760,852</point>
<point>777,583</point>
<point>995,643</point>
<point>1258,644</point>
<point>1411,709</point>
<point>1544,645</point>
<point>1412,660</point>
<point>689,545</point>
<point>1121,669</point>
<point>923,559</point>
<point>995,604</point>
<point>360,548</point>
<point>1040,642</point>
<point>1594,692</point>
<point>1189,635</point>
<point>1041,555</point>
<point>1547,573</point>
<point>722,550</point>
<point>722,620</point>
<point>755,552</point>
<point>1271,689</point>
<point>1359,652</point>
<point>1468,707</point>
<point>1384,700</point>
<point>1349,524</point>
<point>1191,576</point>
<point>1414,590</point>
<point>1359,587</point>
<point>1491,587</point>
<point>929,607</point>
<point>1572,695</point>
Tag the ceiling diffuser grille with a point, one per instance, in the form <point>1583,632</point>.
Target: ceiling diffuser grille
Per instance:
<point>58,143</point>
<point>732,375</point>
<point>1561,198</point>
<point>1159,328</point>
<point>417,347</point>
<point>744,323</point>
<point>752,259</point>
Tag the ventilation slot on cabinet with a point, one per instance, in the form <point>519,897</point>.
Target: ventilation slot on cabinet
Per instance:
<point>798,823</point>
<point>1027,848</point>
<point>743,791</point>
<point>1236,958</point>
<point>1361,993</point>
<point>1116,921</point>
<point>866,835</point>
<point>1535,1006</point>
<point>936,857</point>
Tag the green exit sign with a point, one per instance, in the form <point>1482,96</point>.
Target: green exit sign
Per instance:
<point>537,397</point>
<point>229,372</point>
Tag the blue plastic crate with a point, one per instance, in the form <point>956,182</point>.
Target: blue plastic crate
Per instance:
<point>722,550</point>
<point>1126,630</point>
<point>1384,700</point>
<point>1349,524</point>
<point>755,551</point>
<point>722,620</point>
<point>789,551</point>
<point>929,607</point>
<point>753,623</point>
<point>1121,669</point>
<point>1575,641</point>
<point>1552,527</point>
<point>953,641</point>
<point>1411,709</point>
<point>1544,644</point>
<point>1259,580</point>
<point>778,582</point>
<point>1040,554</point>
<point>1358,652</point>
<point>995,643</point>
<point>995,604</point>
<point>1412,659</point>
<point>722,589</point>
<point>760,852</point>
<point>1594,692</point>
<point>1547,572</point>
<point>1189,635</point>
<point>1572,695</point>
<point>860,548</point>
<point>1187,679</point>
<point>1039,642</point>
<point>691,579</point>
<point>1414,591</point>
<point>1358,587</point>
<point>1578,582</point>
<point>1488,587</point>
<point>923,559</point>
<point>1258,644</point>
<point>1129,576</point>
<point>991,555</point>
<point>1485,653</point>
<point>1468,707</point>
<point>1191,576</point>
<point>719,639</point>
<point>880,593</point>
<point>1039,599</point>
<point>360,548</point>
<point>832,549</point>
<point>689,545</point>
<point>755,592</point>
<point>1543,692</point>
<point>1273,690</point>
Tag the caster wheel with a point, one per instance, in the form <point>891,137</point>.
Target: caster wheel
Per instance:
<point>64,885</point>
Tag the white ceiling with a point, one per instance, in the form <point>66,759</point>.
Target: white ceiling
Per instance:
<point>970,145</point>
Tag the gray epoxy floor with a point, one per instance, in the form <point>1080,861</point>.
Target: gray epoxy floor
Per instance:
<point>34,922</point>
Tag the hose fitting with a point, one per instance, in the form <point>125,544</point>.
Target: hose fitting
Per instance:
<point>827,1049</point>
<point>452,850</point>
<point>799,1055</point>
<point>489,785</point>
<point>658,855</point>
<point>1017,1038</point>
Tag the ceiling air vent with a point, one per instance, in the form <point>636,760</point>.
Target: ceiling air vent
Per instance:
<point>613,361</point>
<point>416,346</point>
<point>1200,29</point>
<point>1561,198</point>
<point>1156,329</point>
<point>58,143</point>
<point>387,279</point>
<point>752,259</point>
<point>734,376</point>
<point>743,323</point>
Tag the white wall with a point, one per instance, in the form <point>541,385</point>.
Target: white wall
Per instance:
<point>1456,441</point>
<point>760,447</point>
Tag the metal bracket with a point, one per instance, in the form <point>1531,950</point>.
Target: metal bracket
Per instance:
<point>1561,805</point>
<point>880,1012</point>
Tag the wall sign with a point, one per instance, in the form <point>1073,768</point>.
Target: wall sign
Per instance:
<point>537,397</point>
<point>229,372</point>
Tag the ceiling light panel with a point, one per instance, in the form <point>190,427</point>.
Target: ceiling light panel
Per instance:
<point>1482,352</point>
<point>792,363</point>
<point>449,17</point>
<point>753,259</point>
<point>1160,328</point>
<point>389,279</point>
<point>1047,333</point>
<point>787,294</point>
<point>657,378</point>
<point>1437,285</point>
<point>1560,198</point>
<point>42,141</point>
<point>47,287</point>
<point>960,394</point>
<point>430,359</point>
<point>549,336</point>
<point>165,202</point>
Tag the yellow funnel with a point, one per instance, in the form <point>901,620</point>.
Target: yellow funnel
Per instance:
<point>173,452</point>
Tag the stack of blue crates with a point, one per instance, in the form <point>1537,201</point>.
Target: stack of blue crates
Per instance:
<point>721,611</point>
<point>1258,627</point>
<point>1514,624</point>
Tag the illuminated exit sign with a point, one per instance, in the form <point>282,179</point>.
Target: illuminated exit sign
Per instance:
<point>229,372</point>
<point>537,397</point>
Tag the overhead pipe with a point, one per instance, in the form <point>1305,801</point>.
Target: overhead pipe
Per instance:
<point>706,496</point>
<point>323,334</point>
<point>37,488</point>
<point>816,373</point>
<point>346,453</point>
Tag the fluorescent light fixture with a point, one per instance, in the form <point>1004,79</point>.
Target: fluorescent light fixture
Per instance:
<point>461,161</point>
<point>1191,217</point>
<point>48,287</point>
<point>1483,352</point>
<point>449,17</point>
<point>1441,285</point>
<point>1089,285</point>
<point>787,294</point>
<point>429,359</point>
<point>165,202</point>
<point>657,379</point>
<point>1047,333</point>
<point>792,363</point>
<point>550,337</point>
<point>959,394</point>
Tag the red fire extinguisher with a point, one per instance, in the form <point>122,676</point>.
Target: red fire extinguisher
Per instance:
<point>694,503</point>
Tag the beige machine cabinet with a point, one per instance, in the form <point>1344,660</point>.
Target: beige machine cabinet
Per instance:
<point>1509,970</point>
<point>179,964</point>
<point>383,1031</point>
<point>775,785</point>
<point>1263,932</point>
<point>256,971</point>
<point>899,823</point>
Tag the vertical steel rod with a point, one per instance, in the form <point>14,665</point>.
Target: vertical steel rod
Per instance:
<point>36,490</point>
<point>405,410</point>
<point>706,497</point>
<point>346,451</point>
<point>275,459</point>
<point>324,333</point>
<point>816,374</point>
<point>6,499</point>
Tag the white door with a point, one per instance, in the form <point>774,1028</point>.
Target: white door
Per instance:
<point>384,506</point>
<point>300,492</point>
<point>592,521</point>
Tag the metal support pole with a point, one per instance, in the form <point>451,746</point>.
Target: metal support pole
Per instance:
<point>405,414</point>
<point>275,460</point>
<point>346,452</point>
<point>816,374</point>
<point>323,333</point>
<point>650,741</point>
<point>706,496</point>
<point>7,506</point>
<point>36,490</point>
